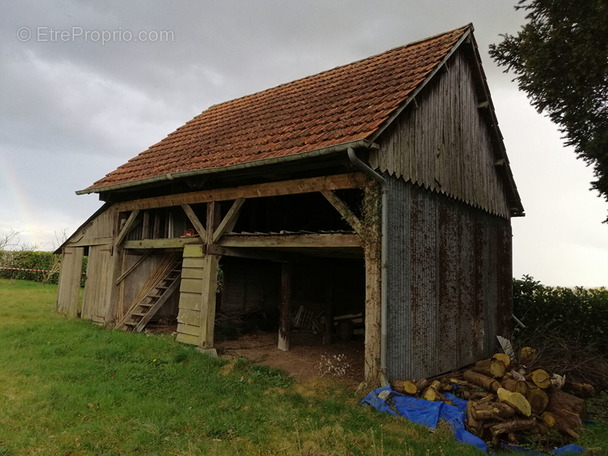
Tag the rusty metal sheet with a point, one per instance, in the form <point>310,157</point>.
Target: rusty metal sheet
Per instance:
<point>449,276</point>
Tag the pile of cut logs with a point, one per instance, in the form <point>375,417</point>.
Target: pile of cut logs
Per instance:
<point>508,402</point>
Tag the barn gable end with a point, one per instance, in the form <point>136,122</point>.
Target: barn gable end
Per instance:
<point>447,141</point>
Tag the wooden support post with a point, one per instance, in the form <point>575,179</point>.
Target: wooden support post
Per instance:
<point>210,269</point>
<point>329,311</point>
<point>120,304</point>
<point>373,274</point>
<point>145,229</point>
<point>284,307</point>
<point>372,316</point>
<point>114,292</point>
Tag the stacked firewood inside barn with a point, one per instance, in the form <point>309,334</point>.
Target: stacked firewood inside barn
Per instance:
<point>510,400</point>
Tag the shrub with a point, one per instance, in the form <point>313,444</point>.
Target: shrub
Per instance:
<point>577,315</point>
<point>27,259</point>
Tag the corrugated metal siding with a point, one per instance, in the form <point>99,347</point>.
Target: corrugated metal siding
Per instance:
<point>448,282</point>
<point>399,321</point>
<point>442,142</point>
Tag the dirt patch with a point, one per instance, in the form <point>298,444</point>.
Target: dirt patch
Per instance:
<point>306,359</point>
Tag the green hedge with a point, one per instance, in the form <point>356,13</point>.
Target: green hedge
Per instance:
<point>578,315</point>
<point>46,261</point>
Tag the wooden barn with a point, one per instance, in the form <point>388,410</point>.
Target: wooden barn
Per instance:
<point>377,193</point>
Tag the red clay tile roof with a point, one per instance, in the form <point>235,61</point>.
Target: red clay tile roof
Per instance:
<point>342,105</point>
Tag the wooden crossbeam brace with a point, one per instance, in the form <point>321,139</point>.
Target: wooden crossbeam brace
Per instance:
<point>128,227</point>
<point>196,223</point>
<point>345,212</point>
<point>227,224</point>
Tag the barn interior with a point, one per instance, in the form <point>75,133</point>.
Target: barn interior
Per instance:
<point>326,284</point>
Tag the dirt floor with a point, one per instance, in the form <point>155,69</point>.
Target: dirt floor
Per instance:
<point>306,359</point>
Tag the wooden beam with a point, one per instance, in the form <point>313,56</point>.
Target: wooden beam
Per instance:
<point>175,243</point>
<point>227,224</point>
<point>280,188</point>
<point>285,307</point>
<point>345,212</point>
<point>335,240</point>
<point>88,242</point>
<point>254,254</point>
<point>196,223</point>
<point>127,227</point>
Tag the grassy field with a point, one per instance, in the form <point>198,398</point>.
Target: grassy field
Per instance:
<point>69,387</point>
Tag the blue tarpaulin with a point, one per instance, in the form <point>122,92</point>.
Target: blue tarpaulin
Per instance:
<point>425,412</point>
<point>429,413</point>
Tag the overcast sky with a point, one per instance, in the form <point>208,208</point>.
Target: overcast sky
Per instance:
<point>85,86</point>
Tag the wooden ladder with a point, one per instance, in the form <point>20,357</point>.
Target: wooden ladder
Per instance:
<point>150,302</point>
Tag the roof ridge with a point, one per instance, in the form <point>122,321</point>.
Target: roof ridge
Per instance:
<point>363,59</point>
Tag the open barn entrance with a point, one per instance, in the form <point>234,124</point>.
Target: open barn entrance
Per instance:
<point>325,311</point>
<point>293,285</point>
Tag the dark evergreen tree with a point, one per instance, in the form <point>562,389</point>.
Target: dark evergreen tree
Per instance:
<point>560,59</point>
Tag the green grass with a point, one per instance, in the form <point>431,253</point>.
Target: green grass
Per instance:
<point>68,387</point>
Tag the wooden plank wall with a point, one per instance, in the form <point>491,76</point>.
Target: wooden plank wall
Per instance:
<point>132,284</point>
<point>443,143</point>
<point>98,230</point>
<point>98,284</point>
<point>96,234</point>
<point>191,295</point>
<point>69,281</point>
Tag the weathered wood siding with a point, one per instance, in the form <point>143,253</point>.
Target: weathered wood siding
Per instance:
<point>95,235</point>
<point>97,230</point>
<point>69,281</point>
<point>191,295</point>
<point>99,282</point>
<point>442,142</point>
<point>448,282</point>
<point>132,285</point>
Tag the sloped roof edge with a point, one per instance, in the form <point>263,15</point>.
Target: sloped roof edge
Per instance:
<point>239,166</point>
<point>422,85</point>
<point>342,105</point>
